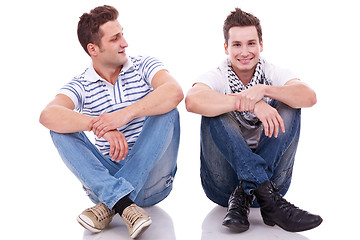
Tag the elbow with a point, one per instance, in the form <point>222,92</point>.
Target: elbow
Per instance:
<point>190,104</point>
<point>176,95</point>
<point>313,100</point>
<point>179,96</point>
<point>44,118</point>
<point>310,101</point>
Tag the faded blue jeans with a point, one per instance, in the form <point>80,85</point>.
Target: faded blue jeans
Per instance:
<point>226,158</point>
<point>146,173</point>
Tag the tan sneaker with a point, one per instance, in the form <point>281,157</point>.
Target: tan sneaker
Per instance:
<point>96,218</point>
<point>136,220</point>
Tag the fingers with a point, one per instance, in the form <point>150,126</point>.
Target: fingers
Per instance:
<point>114,150</point>
<point>272,123</point>
<point>118,145</point>
<point>99,128</point>
<point>120,150</point>
<point>245,103</point>
<point>102,124</point>
<point>266,128</point>
<point>123,150</point>
<point>272,126</point>
<point>281,123</point>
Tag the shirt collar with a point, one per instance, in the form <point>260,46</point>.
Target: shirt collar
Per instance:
<point>127,66</point>
<point>91,75</point>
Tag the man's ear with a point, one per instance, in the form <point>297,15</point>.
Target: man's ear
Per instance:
<point>91,49</point>
<point>226,49</point>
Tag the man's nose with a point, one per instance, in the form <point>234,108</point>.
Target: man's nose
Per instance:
<point>244,51</point>
<point>123,43</point>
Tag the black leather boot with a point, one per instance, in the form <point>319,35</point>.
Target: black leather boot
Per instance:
<point>276,210</point>
<point>238,210</point>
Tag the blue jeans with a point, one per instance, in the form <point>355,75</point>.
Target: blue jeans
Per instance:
<point>226,159</point>
<point>146,173</point>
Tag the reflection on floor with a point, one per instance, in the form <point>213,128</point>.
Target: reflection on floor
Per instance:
<point>162,228</point>
<point>213,230</point>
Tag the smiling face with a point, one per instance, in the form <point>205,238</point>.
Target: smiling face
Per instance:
<point>243,48</point>
<point>111,51</point>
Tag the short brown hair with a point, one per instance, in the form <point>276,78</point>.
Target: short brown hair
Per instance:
<point>239,18</point>
<point>89,24</point>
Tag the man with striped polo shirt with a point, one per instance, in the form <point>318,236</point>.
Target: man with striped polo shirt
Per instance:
<point>130,105</point>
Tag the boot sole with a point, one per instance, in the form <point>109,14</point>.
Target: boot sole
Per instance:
<point>236,227</point>
<point>271,223</point>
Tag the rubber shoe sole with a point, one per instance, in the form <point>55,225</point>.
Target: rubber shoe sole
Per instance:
<point>83,223</point>
<point>141,229</point>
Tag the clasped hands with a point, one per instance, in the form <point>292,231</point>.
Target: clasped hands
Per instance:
<point>105,126</point>
<point>251,100</point>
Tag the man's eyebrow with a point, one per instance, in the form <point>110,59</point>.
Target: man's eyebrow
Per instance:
<point>116,35</point>
<point>250,40</point>
<point>119,33</point>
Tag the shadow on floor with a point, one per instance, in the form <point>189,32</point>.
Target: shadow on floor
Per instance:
<point>212,228</point>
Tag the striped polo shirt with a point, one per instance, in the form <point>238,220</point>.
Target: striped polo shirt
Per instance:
<point>93,96</point>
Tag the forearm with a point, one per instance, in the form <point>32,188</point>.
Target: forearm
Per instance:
<point>167,94</point>
<point>208,102</point>
<point>296,95</point>
<point>162,100</point>
<point>64,120</point>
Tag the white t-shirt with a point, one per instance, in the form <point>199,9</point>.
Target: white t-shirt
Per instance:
<point>217,79</point>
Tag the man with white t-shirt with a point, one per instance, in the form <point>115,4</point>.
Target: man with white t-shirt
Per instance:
<point>130,105</point>
<point>250,130</point>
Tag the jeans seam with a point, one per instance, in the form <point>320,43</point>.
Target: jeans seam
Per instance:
<point>243,162</point>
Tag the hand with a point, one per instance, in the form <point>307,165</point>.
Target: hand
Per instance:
<point>108,121</point>
<point>270,119</point>
<point>246,100</point>
<point>118,145</point>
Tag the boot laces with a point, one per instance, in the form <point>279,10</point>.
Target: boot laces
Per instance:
<point>241,201</point>
<point>284,204</point>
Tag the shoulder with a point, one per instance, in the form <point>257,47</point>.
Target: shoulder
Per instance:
<point>277,75</point>
<point>217,73</point>
<point>81,84</point>
<point>79,81</point>
<point>215,78</point>
<point>144,61</point>
<point>145,66</point>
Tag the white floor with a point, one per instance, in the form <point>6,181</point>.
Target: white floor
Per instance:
<point>163,228</point>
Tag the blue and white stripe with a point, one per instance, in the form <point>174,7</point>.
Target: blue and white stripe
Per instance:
<point>94,96</point>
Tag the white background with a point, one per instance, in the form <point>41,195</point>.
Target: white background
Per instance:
<point>40,52</point>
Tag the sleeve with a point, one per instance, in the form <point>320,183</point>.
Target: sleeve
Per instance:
<point>75,91</point>
<point>149,67</point>
<point>214,80</point>
<point>278,75</point>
